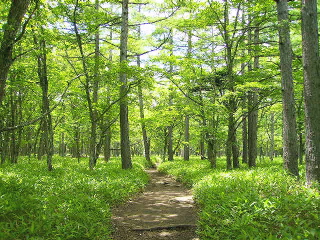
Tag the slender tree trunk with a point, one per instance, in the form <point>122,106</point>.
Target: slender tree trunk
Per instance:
<point>94,153</point>
<point>170,128</point>
<point>124,121</point>
<point>271,150</point>
<point>231,144</point>
<point>108,133</point>
<point>170,143</point>
<point>311,66</point>
<point>146,140</point>
<point>300,129</point>
<point>13,147</point>
<point>229,141</point>
<point>20,130</point>
<point>245,116</point>
<point>204,131</point>
<point>165,145</point>
<point>62,147</point>
<point>17,11</point>
<point>4,152</point>
<point>301,148</point>
<point>235,150</point>
<point>47,134</point>
<point>290,146</point>
<point>253,106</point>
<point>252,129</point>
<point>186,149</point>
<point>2,142</point>
<point>90,100</point>
<point>107,146</point>
<point>76,153</point>
<point>244,140</point>
<point>212,142</point>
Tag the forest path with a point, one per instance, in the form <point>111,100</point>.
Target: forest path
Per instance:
<point>165,210</point>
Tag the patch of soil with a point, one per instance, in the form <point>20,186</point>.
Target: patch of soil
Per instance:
<point>165,210</point>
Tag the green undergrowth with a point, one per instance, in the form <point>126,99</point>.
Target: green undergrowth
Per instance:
<point>71,202</point>
<point>259,203</point>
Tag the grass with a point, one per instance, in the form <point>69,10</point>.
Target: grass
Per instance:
<point>259,203</point>
<point>70,202</point>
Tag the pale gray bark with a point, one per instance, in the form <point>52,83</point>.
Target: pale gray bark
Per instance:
<point>290,146</point>
<point>311,66</point>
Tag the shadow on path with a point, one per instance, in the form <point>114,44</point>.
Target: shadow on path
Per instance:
<point>165,210</point>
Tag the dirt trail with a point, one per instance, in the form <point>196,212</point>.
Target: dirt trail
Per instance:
<point>165,210</point>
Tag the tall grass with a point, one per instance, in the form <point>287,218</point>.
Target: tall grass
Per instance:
<point>70,202</point>
<point>258,203</point>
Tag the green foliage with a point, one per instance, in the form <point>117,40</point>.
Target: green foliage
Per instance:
<point>71,202</point>
<point>260,203</point>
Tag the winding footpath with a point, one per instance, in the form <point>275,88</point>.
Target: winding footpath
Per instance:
<point>165,210</point>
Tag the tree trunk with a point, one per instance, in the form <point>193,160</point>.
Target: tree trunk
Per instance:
<point>4,149</point>
<point>107,145</point>
<point>301,148</point>
<point>47,135</point>
<point>311,66</point>
<point>203,130</point>
<point>229,141</point>
<point>124,121</point>
<point>146,140</point>
<point>13,140</point>
<point>235,149</point>
<point>290,146</point>
<point>93,151</point>
<point>253,106</point>
<point>212,153</point>
<point>165,145</point>
<point>271,150</point>
<point>108,132</point>
<point>231,144</point>
<point>252,128</point>
<point>244,140</point>
<point>17,11</point>
<point>170,143</point>
<point>212,142</point>
<point>62,147</point>
<point>186,149</point>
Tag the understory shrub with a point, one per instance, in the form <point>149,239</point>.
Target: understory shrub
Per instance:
<point>259,203</point>
<point>71,202</point>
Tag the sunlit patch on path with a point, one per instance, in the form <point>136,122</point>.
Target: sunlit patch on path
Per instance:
<point>165,210</point>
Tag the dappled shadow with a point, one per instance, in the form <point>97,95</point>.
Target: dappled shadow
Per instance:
<point>165,210</point>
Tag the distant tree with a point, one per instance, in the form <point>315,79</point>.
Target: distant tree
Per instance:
<point>46,123</point>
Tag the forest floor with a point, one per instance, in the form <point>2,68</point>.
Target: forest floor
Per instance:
<point>165,210</point>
